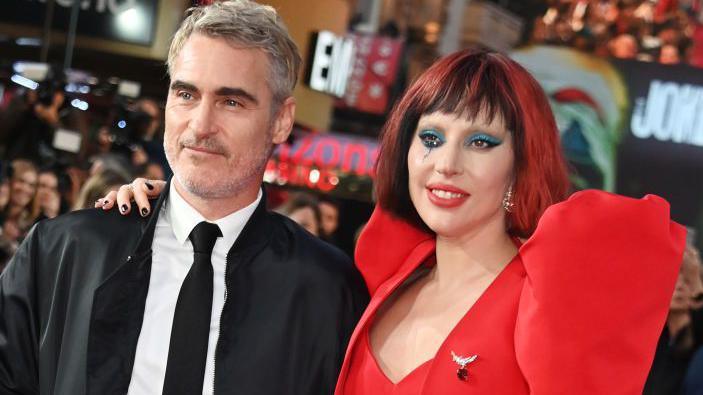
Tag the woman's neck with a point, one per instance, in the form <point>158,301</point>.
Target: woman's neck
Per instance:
<point>484,252</point>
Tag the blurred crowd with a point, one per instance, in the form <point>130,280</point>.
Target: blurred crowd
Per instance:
<point>318,214</point>
<point>57,157</point>
<point>41,177</point>
<point>664,31</point>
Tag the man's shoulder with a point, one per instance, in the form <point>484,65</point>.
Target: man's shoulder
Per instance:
<point>87,243</point>
<point>312,243</point>
<point>313,261</point>
<point>92,222</point>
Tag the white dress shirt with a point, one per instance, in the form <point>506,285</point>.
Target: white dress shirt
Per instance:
<point>172,256</point>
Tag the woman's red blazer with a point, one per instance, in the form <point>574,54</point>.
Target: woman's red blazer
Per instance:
<point>578,310</point>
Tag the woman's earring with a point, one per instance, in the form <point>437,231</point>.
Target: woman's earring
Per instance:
<point>508,204</point>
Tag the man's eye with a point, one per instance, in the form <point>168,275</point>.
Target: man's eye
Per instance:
<point>185,95</point>
<point>232,103</point>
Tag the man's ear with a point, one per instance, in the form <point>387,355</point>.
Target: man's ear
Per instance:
<point>283,124</point>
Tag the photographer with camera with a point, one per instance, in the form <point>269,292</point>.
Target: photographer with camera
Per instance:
<point>133,134</point>
<point>28,132</point>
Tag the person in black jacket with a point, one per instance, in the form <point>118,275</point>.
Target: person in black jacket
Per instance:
<point>683,333</point>
<point>213,294</point>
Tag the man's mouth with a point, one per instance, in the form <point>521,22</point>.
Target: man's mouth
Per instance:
<point>203,150</point>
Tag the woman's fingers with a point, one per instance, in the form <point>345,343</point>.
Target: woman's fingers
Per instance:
<point>140,190</point>
<point>107,202</point>
<point>153,188</point>
<point>124,197</point>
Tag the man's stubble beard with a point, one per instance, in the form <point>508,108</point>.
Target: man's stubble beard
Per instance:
<point>226,184</point>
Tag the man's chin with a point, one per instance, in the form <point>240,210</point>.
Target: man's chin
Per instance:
<point>203,189</point>
<point>197,186</point>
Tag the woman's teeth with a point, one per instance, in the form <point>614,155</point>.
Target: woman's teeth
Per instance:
<point>446,194</point>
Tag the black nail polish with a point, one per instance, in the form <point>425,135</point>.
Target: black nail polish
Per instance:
<point>149,186</point>
<point>123,208</point>
<point>145,212</point>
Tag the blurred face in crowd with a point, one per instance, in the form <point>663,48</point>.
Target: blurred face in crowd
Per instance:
<point>154,171</point>
<point>624,47</point>
<point>4,194</point>
<point>23,188</point>
<point>330,217</point>
<point>150,107</point>
<point>220,128</point>
<point>459,171</point>
<point>669,55</point>
<point>688,293</point>
<point>47,188</point>
<point>305,217</point>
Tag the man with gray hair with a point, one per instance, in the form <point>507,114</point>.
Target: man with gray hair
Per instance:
<point>213,294</point>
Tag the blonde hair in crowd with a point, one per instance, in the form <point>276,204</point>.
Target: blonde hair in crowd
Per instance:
<point>19,168</point>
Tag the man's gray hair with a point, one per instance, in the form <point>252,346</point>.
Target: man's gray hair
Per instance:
<point>250,25</point>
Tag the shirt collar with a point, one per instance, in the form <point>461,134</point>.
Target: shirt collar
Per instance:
<point>183,217</point>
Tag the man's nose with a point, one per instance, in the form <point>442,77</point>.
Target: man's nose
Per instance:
<point>203,119</point>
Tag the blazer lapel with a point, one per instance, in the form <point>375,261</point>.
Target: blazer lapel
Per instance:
<point>418,255</point>
<point>480,333</point>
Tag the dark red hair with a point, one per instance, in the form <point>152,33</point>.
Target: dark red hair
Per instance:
<point>468,82</point>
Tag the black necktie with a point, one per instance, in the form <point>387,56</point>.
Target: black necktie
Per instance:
<point>187,352</point>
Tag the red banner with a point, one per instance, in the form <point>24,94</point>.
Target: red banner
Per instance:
<point>375,70</point>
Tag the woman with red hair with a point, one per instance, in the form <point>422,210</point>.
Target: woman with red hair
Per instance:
<point>484,279</point>
<point>470,166</point>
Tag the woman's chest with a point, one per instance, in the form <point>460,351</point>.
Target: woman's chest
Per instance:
<point>486,332</point>
<point>412,324</point>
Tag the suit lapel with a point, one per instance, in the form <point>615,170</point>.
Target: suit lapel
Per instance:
<point>117,315</point>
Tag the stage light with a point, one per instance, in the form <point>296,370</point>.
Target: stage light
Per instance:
<point>314,176</point>
<point>79,104</point>
<point>28,41</point>
<point>25,82</point>
<point>132,23</point>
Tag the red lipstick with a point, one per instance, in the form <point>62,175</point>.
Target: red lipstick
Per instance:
<point>449,196</point>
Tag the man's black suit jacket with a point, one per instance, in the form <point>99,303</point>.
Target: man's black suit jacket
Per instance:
<point>72,303</point>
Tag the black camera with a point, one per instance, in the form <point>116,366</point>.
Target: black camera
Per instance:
<point>128,127</point>
<point>46,90</point>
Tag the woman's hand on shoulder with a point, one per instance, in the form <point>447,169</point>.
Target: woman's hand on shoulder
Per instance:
<point>140,190</point>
